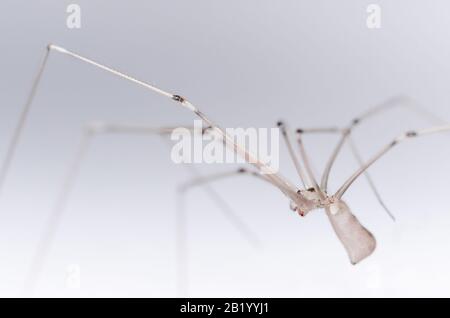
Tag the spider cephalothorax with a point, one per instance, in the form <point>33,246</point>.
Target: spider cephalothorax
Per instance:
<point>313,201</point>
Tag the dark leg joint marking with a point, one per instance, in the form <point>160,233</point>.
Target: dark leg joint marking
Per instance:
<point>204,130</point>
<point>411,134</point>
<point>282,127</point>
<point>178,98</point>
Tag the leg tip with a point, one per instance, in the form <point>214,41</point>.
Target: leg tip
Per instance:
<point>52,46</point>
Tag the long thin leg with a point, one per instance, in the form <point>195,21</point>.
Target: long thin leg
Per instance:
<point>4,169</point>
<point>257,173</point>
<point>298,167</point>
<point>228,212</point>
<point>279,181</point>
<point>91,131</point>
<point>285,186</point>
<point>358,157</point>
<point>183,264</point>
<point>356,154</point>
<point>239,224</point>
<point>308,166</point>
<point>198,179</point>
<point>45,243</point>
<point>399,101</point>
<point>219,176</point>
<point>182,248</point>
<point>384,150</point>
<point>53,222</point>
<point>182,235</point>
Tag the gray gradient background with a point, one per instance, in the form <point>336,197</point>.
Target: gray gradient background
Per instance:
<point>244,63</point>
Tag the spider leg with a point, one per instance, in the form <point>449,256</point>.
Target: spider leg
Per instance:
<point>11,149</point>
<point>279,181</point>
<point>399,101</point>
<point>405,136</point>
<point>96,128</point>
<point>369,179</point>
<point>52,224</point>
<point>286,136</point>
<point>308,166</point>
<point>276,178</point>
<point>356,154</point>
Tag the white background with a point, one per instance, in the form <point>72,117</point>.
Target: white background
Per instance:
<point>245,64</point>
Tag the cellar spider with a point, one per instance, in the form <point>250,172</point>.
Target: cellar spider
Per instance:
<point>358,242</point>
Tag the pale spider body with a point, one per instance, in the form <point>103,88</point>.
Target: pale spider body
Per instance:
<point>357,240</point>
<point>315,201</point>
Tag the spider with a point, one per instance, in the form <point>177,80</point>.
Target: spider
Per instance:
<point>358,242</point>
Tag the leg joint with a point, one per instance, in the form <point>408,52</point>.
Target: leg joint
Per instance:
<point>178,98</point>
